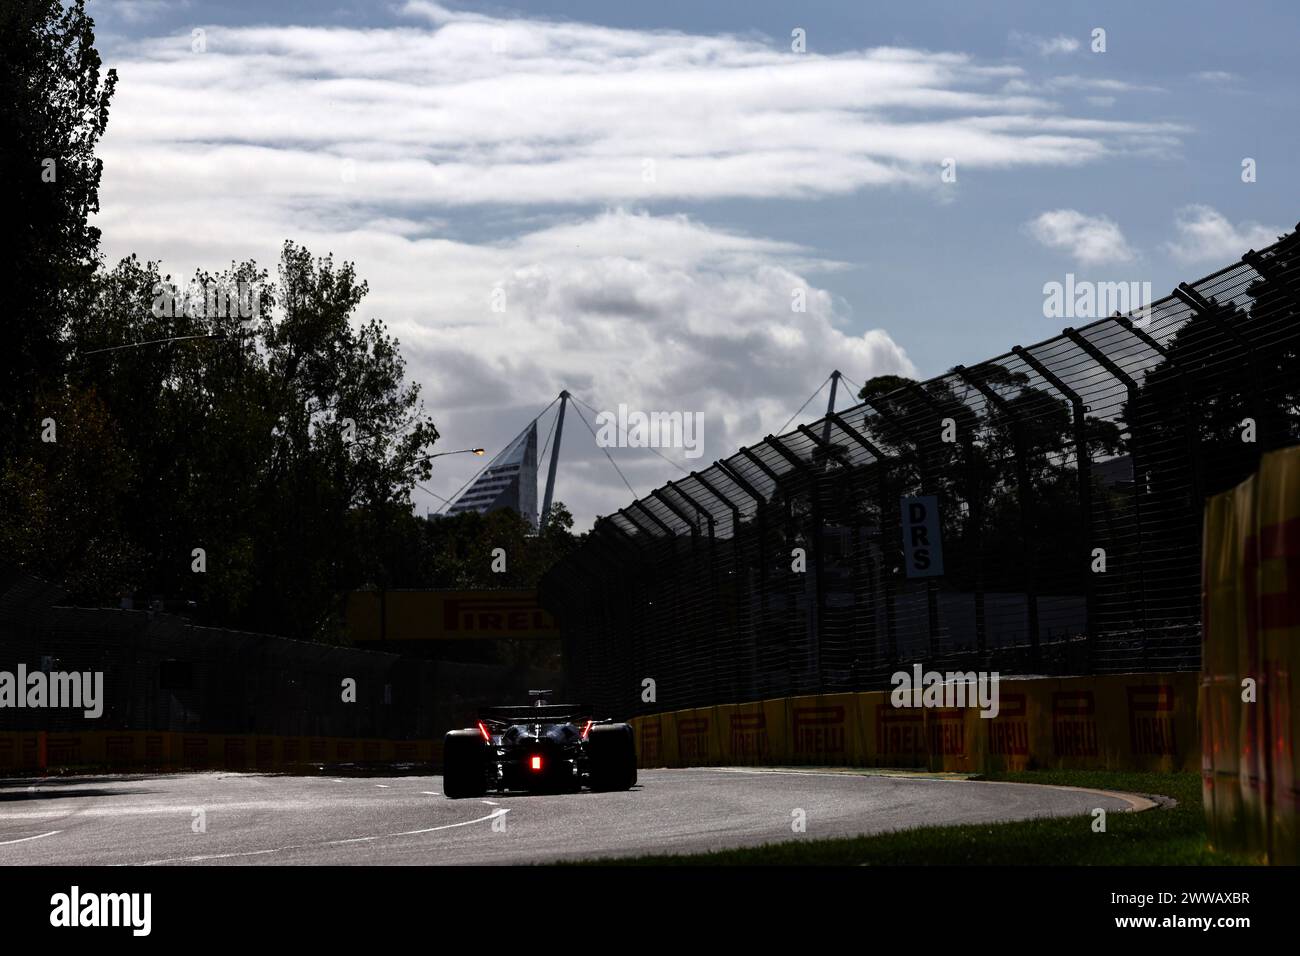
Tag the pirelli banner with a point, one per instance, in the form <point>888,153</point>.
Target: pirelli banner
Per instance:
<point>1250,670</point>
<point>447,615</point>
<point>1119,722</point>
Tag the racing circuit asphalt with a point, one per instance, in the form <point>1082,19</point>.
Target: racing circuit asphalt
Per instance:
<point>261,819</point>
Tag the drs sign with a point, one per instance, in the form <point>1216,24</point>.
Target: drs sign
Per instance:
<point>922,546</point>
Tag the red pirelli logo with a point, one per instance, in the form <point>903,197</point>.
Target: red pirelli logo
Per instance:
<point>948,731</point>
<point>1074,723</point>
<point>1009,730</point>
<point>693,738</point>
<point>1151,720</point>
<point>819,730</point>
<point>432,615</point>
<point>494,615</point>
<point>651,741</point>
<point>749,735</point>
<point>899,731</point>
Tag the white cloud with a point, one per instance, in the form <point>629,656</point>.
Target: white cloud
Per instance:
<point>134,11</point>
<point>1216,76</point>
<point>1092,240</point>
<point>1204,234</point>
<point>477,110</point>
<point>1073,82</point>
<point>1099,83</point>
<point>461,151</point>
<point>1043,46</point>
<point>660,312</point>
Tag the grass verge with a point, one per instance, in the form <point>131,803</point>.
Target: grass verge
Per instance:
<point>1163,836</point>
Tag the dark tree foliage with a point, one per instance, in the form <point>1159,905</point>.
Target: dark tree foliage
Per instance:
<point>455,551</point>
<point>1028,436</point>
<point>284,444</point>
<point>1232,363</point>
<point>237,445</point>
<point>53,110</point>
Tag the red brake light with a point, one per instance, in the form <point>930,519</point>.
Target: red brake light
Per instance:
<point>587,729</point>
<point>536,762</point>
<point>483,732</point>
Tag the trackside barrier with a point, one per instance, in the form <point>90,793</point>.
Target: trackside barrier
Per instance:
<point>1251,588</point>
<point>168,750</point>
<point>1111,722</point>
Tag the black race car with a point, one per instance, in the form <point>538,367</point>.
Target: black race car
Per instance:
<point>543,748</point>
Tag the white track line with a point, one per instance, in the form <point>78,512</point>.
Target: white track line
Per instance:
<point>25,839</point>
<point>302,846</point>
<point>447,826</point>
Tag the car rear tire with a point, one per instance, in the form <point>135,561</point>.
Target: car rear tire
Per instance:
<point>464,764</point>
<point>611,751</point>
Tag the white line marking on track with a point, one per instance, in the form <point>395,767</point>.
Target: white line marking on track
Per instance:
<point>302,846</point>
<point>431,793</point>
<point>25,839</point>
<point>447,826</point>
<point>490,803</point>
<point>382,786</point>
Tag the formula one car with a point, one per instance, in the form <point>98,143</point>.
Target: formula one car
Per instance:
<point>543,748</point>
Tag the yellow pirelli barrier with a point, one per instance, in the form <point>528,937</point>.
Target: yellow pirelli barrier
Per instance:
<point>652,735</point>
<point>1250,691</point>
<point>824,730</point>
<point>1114,722</point>
<point>697,737</point>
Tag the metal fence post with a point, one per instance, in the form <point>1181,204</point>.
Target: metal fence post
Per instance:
<point>1131,387</point>
<point>1083,477</point>
<point>1025,496</point>
<point>819,547</point>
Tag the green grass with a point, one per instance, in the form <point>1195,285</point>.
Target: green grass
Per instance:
<point>1173,836</point>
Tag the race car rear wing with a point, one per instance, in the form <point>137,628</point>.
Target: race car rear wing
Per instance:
<point>546,713</point>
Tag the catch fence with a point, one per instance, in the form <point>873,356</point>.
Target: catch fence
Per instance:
<point>1069,479</point>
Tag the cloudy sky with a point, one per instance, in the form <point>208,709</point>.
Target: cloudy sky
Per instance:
<point>629,200</point>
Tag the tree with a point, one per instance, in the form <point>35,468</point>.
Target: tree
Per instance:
<point>1026,437</point>
<point>284,444</point>
<point>244,445</point>
<point>53,110</point>
<point>1233,362</point>
<point>456,550</point>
